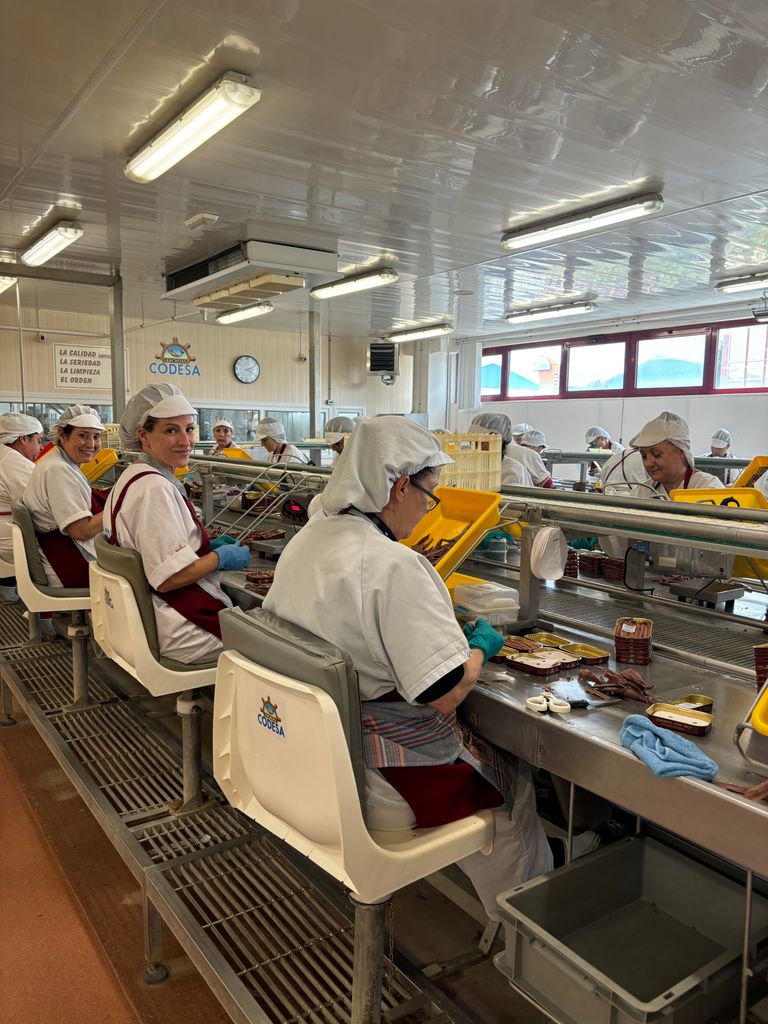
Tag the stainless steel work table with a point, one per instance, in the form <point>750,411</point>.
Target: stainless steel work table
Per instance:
<point>583,747</point>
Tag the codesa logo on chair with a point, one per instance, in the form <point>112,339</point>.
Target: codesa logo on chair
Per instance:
<point>268,717</point>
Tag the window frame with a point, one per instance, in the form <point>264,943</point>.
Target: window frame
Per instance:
<point>731,391</point>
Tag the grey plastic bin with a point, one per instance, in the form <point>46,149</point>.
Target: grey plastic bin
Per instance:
<point>637,932</point>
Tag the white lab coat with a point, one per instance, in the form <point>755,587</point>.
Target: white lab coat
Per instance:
<point>15,471</point>
<point>155,521</point>
<point>58,494</point>
<point>697,481</point>
<point>530,459</point>
<point>289,454</point>
<point>343,580</point>
<point>514,472</point>
<point>623,472</point>
<point>762,484</point>
<point>727,476</point>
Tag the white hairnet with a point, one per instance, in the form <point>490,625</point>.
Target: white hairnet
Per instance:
<point>338,427</point>
<point>14,425</point>
<point>492,423</point>
<point>160,401</point>
<point>533,439</point>
<point>521,428</point>
<point>666,427</point>
<point>222,421</point>
<point>721,439</point>
<point>270,427</point>
<point>593,433</point>
<point>379,452</point>
<point>78,416</point>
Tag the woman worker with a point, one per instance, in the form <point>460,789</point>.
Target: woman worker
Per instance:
<point>337,430</point>
<point>719,448</point>
<point>345,578</point>
<point>148,511</point>
<point>599,437</point>
<point>21,438</point>
<point>66,512</point>
<point>271,433</point>
<point>223,431</point>
<point>513,472</point>
<point>665,446</point>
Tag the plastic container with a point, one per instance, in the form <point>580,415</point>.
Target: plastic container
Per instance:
<point>462,517</point>
<point>476,461</point>
<point>102,462</point>
<point>634,934</point>
<point>495,603</point>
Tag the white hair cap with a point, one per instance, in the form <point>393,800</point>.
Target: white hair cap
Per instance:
<point>593,433</point>
<point>521,428</point>
<point>338,427</point>
<point>270,427</point>
<point>492,423</point>
<point>721,439</point>
<point>222,421</point>
<point>79,416</point>
<point>14,425</point>
<point>533,439</point>
<point>161,401</point>
<point>666,427</point>
<point>377,454</point>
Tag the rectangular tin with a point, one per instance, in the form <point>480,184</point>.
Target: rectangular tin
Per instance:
<point>695,723</point>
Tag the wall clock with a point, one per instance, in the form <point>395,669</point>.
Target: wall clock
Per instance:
<point>247,369</point>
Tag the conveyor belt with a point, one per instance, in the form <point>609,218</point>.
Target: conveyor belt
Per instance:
<point>676,633</point>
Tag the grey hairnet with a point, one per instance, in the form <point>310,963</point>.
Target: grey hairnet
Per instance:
<point>496,422</point>
<point>378,453</point>
<point>160,400</point>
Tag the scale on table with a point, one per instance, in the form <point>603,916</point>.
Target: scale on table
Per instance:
<point>295,509</point>
<point>709,593</point>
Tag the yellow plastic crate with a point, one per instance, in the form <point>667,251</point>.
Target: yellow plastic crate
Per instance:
<point>102,462</point>
<point>476,461</point>
<point>236,453</point>
<point>752,473</point>
<point>459,508</point>
<point>732,497</point>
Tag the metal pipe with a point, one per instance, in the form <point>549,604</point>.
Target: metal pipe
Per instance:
<point>117,348</point>
<point>7,704</point>
<point>54,330</point>
<point>746,972</point>
<point>555,457</point>
<point>189,709</point>
<point>78,633</point>
<point>368,963</point>
<point>569,836</point>
<point>21,346</point>
<point>529,585</point>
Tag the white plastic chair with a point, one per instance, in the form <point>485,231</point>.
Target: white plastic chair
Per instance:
<point>125,628</point>
<point>39,596</point>
<point>281,756</point>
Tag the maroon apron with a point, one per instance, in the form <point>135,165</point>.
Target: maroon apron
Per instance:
<point>442,793</point>
<point>190,601</point>
<point>65,557</point>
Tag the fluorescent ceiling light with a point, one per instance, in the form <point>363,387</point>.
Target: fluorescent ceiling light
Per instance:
<point>525,316</point>
<point>356,283</point>
<point>234,316</point>
<point>52,242</point>
<point>579,223</point>
<point>417,333</point>
<point>227,99</point>
<point>6,283</point>
<point>761,315</point>
<point>745,283</point>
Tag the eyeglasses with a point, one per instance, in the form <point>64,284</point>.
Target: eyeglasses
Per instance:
<point>434,501</point>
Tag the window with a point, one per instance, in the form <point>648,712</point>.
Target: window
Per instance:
<point>490,375</point>
<point>742,358</point>
<point>673,361</point>
<point>534,371</point>
<point>597,367</point>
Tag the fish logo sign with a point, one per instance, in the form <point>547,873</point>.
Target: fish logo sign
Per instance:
<point>268,717</point>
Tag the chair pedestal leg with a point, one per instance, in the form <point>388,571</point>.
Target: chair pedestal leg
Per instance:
<point>7,704</point>
<point>34,628</point>
<point>370,929</point>
<point>190,710</point>
<point>78,633</point>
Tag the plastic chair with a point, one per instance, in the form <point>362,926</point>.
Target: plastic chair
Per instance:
<point>39,596</point>
<point>287,751</point>
<point>125,628</point>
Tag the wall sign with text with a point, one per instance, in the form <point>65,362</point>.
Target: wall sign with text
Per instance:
<point>82,366</point>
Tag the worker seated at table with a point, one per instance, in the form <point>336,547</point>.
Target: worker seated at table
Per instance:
<point>719,448</point>
<point>513,471</point>
<point>21,438</point>
<point>528,451</point>
<point>337,431</point>
<point>599,437</point>
<point>223,432</point>
<point>345,578</point>
<point>665,447</point>
<point>148,511</point>
<point>65,510</point>
<point>271,433</point>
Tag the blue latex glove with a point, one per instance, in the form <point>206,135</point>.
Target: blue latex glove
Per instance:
<point>583,543</point>
<point>484,637</point>
<point>494,535</point>
<point>233,556</point>
<point>223,539</point>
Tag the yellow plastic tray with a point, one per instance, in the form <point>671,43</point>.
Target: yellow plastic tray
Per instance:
<point>752,473</point>
<point>728,497</point>
<point>236,453</point>
<point>457,508</point>
<point>102,461</point>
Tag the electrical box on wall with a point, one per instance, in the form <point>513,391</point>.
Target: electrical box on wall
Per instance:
<point>383,358</point>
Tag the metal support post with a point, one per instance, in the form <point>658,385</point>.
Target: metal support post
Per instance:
<point>315,371</point>
<point>569,836</point>
<point>190,709</point>
<point>7,703</point>
<point>155,972</point>
<point>529,585</point>
<point>117,347</point>
<point>206,477</point>
<point>368,965</point>
<point>79,633</point>
<point>746,971</point>
<point>35,636</point>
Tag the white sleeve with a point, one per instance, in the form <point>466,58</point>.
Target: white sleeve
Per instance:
<point>410,623</point>
<point>535,466</point>
<point>161,531</point>
<point>17,481</point>
<point>66,500</point>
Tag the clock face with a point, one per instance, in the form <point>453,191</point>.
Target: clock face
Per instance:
<point>247,369</point>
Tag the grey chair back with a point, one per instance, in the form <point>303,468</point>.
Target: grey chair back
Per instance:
<point>23,519</point>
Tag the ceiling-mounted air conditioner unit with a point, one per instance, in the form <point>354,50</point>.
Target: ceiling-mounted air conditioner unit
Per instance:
<point>383,358</point>
<point>247,266</point>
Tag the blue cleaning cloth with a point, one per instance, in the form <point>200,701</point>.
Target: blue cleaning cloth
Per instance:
<point>666,753</point>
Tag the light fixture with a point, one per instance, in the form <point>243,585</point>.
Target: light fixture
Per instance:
<point>761,312</point>
<point>227,99</point>
<point>355,283</point>
<point>579,223</point>
<point>525,316</point>
<point>745,283</point>
<point>417,333</point>
<point>234,316</point>
<point>6,283</point>
<point>52,242</point>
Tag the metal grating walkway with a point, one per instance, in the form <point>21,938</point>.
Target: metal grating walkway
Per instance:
<point>45,671</point>
<point>14,630</point>
<point>173,837</point>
